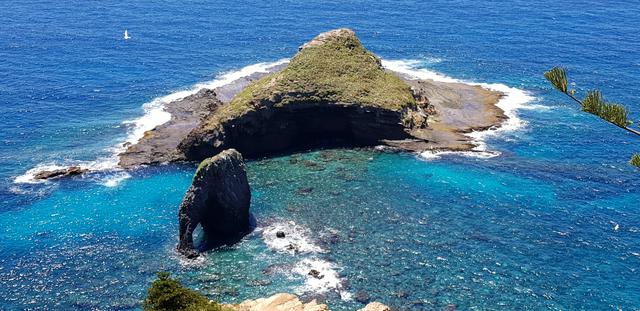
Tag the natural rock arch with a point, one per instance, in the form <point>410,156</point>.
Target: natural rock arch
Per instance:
<point>218,199</point>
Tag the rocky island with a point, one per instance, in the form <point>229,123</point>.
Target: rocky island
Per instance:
<point>333,92</point>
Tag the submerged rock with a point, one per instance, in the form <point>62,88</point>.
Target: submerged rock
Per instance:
<point>362,297</point>
<point>316,274</point>
<point>218,200</point>
<point>375,306</point>
<point>304,190</point>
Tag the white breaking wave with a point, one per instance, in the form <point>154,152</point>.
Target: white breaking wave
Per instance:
<point>297,241</point>
<point>115,179</point>
<point>153,116</point>
<point>101,164</point>
<point>513,100</point>
<point>328,278</point>
<point>432,60</point>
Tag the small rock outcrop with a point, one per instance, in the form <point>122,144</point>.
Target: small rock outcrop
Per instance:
<point>58,173</point>
<point>218,200</point>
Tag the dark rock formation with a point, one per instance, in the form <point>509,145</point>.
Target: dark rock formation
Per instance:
<point>218,200</point>
<point>63,172</point>
<point>263,132</point>
<point>316,274</point>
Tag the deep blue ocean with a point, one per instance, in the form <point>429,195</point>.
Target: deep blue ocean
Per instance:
<point>552,223</point>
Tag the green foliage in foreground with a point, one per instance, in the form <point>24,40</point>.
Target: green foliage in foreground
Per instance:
<point>167,294</point>
<point>635,160</point>
<point>557,76</point>
<point>614,113</point>
<point>595,104</point>
<point>340,70</point>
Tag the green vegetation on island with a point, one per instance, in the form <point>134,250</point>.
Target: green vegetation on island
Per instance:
<point>594,103</point>
<point>168,294</point>
<point>333,68</point>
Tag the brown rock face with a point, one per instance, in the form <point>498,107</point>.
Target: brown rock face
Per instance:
<point>278,302</point>
<point>159,145</point>
<point>218,200</point>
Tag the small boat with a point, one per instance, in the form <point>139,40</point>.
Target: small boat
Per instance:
<point>126,35</point>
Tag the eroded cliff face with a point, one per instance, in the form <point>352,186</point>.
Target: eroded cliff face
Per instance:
<point>265,131</point>
<point>334,92</point>
<point>219,200</point>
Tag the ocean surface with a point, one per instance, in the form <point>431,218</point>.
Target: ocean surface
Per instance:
<point>546,218</point>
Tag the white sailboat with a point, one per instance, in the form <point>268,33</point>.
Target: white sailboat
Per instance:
<point>126,35</point>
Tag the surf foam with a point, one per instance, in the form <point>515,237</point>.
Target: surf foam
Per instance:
<point>153,116</point>
<point>513,100</point>
<point>328,278</point>
<point>296,238</point>
<point>298,242</point>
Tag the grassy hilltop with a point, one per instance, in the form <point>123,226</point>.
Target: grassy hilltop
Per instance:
<point>332,68</point>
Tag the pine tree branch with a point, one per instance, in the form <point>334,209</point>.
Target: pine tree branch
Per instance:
<point>607,112</point>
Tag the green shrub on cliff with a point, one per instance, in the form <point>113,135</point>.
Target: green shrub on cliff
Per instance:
<point>333,68</point>
<point>167,294</point>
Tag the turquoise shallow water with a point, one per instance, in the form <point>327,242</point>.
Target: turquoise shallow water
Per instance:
<point>551,223</point>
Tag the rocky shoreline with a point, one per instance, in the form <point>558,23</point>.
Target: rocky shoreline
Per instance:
<point>457,109</point>
<point>160,145</point>
<point>449,110</point>
<point>289,302</point>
